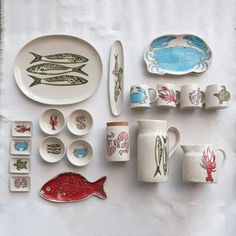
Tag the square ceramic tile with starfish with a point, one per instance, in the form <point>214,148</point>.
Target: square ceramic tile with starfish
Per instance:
<point>21,128</point>
<point>21,147</point>
<point>20,165</point>
<point>19,183</point>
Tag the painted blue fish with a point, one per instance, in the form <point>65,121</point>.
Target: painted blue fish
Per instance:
<point>196,42</point>
<point>162,41</point>
<point>81,152</point>
<point>21,146</point>
<point>138,95</point>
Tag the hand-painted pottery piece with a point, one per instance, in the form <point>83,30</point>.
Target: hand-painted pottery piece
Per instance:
<point>52,121</point>
<point>118,143</point>
<point>216,97</point>
<point>72,187</point>
<point>177,55</point>
<point>58,69</point>
<point>20,146</point>
<point>80,153</point>
<point>21,128</point>
<point>153,150</point>
<point>116,78</point>
<point>52,149</point>
<point>166,96</point>
<point>20,165</point>
<point>201,164</point>
<point>191,97</point>
<point>19,183</point>
<point>140,96</point>
<point>80,122</point>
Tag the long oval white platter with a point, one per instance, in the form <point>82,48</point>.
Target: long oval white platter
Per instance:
<point>58,69</point>
<point>116,78</point>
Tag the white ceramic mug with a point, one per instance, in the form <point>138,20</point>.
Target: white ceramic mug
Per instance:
<point>201,164</point>
<point>166,96</point>
<point>140,96</point>
<point>118,144</point>
<point>216,97</point>
<point>191,97</point>
<point>153,151</point>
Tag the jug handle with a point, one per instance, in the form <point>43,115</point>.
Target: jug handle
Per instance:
<point>177,134</point>
<point>224,158</point>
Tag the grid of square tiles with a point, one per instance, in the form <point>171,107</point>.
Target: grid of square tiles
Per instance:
<point>20,161</point>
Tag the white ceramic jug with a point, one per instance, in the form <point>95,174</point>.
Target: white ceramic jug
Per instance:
<point>201,164</point>
<point>153,150</point>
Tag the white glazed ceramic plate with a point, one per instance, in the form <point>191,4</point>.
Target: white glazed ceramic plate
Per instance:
<point>21,147</point>
<point>52,121</point>
<point>116,78</point>
<point>177,55</point>
<point>47,69</point>
<point>21,128</point>
<point>52,149</point>
<point>80,153</point>
<point>20,165</point>
<point>19,183</point>
<point>80,122</point>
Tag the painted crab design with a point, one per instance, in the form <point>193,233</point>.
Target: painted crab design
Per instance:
<point>223,95</point>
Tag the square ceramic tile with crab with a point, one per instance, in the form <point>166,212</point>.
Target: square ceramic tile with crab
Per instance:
<point>21,128</point>
<point>19,183</point>
<point>21,147</point>
<point>20,165</point>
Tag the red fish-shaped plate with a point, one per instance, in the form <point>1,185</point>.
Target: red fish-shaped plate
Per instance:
<point>72,187</point>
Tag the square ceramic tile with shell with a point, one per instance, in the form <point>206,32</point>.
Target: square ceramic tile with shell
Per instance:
<point>19,183</point>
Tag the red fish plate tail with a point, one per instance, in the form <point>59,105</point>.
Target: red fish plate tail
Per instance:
<point>100,191</point>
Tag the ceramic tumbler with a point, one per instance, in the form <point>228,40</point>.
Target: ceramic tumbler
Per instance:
<point>140,96</point>
<point>153,150</point>
<point>191,97</point>
<point>166,96</point>
<point>216,97</point>
<point>201,163</point>
<point>118,144</point>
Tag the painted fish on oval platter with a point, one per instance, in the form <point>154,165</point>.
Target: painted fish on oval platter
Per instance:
<point>72,187</point>
<point>64,58</point>
<point>61,80</point>
<point>54,69</point>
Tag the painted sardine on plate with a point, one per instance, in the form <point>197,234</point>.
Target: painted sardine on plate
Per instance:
<point>64,58</point>
<point>72,187</point>
<point>61,80</point>
<point>54,69</point>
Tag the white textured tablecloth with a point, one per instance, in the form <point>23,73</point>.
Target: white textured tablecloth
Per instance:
<point>132,208</point>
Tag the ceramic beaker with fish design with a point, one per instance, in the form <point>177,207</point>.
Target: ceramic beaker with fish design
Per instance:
<point>153,150</point>
<point>201,163</point>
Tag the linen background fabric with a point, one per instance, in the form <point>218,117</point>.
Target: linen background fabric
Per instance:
<point>132,208</point>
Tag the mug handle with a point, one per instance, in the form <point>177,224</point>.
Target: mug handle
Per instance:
<point>156,95</point>
<point>203,96</point>
<point>177,93</point>
<point>224,158</point>
<point>177,134</point>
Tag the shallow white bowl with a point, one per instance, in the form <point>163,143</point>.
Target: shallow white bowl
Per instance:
<point>79,122</point>
<point>52,121</point>
<point>80,153</point>
<point>52,149</point>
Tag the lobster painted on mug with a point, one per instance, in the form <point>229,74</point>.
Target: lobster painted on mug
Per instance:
<point>121,143</point>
